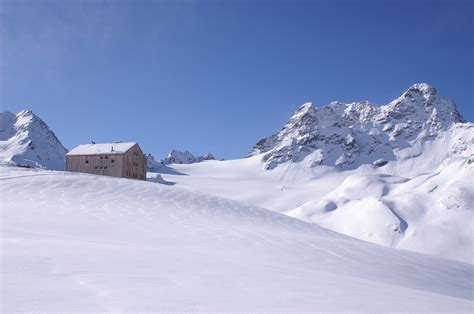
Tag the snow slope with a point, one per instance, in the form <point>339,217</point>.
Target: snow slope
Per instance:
<point>26,140</point>
<point>77,242</point>
<point>423,201</point>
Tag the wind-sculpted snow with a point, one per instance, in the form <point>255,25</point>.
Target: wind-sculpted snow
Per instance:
<point>26,140</point>
<point>76,242</point>
<point>349,135</point>
<point>431,213</point>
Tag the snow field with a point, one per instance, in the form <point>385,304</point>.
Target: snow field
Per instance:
<point>74,242</point>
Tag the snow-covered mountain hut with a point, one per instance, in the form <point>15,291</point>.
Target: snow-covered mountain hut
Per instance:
<point>124,160</point>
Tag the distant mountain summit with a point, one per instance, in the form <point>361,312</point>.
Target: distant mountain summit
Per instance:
<point>348,135</point>
<point>185,157</point>
<point>26,140</point>
<point>176,157</point>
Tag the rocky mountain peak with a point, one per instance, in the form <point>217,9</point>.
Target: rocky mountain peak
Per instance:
<point>424,89</point>
<point>176,157</point>
<point>304,109</point>
<point>347,135</point>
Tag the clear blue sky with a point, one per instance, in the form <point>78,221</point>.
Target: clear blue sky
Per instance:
<point>218,75</point>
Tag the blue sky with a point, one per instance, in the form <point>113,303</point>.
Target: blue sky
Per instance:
<point>218,75</point>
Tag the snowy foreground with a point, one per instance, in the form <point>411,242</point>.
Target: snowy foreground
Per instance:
<point>73,242</point>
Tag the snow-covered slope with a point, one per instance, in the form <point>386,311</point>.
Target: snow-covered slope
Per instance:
<point>431,212</point>
<point>26,140</point>
<point>76,242</point>
<point>406,180</point>
<point>348,135</point>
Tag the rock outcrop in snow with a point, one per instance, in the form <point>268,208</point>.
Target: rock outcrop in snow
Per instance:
<point>176,157</point>
<point>152,164</point>
<point>348,135</point>
<point>180,157</point>
<point>26,140</point>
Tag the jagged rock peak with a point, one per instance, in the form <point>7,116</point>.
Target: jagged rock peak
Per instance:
<point>423,88</point>
<point>304,109</point>
<point>340,134</point>
<point>185,157</point>
<point>176,157</point>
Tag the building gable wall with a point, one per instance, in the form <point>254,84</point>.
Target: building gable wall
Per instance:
<point>134,163</point>
<point>129,164</point>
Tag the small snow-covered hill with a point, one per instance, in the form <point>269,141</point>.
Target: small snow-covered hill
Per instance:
<point>26,140</point>
<point>78,242</point>
<point>349,135</point>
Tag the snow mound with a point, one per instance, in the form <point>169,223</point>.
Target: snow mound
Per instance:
<point>91,243</point>
<point>26,140</point>
<point>430,213</point>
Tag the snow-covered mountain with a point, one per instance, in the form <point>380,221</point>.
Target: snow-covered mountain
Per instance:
<point>184,157</point>
<point>398,175</point>
<point>349,135</point>
<point>176,157</point>
<point>26,140</point>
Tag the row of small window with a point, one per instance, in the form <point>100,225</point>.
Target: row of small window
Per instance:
<point>112,161</point>
<point>134,175</point>
<point>100,168</point>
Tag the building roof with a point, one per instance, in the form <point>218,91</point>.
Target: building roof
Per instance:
<point>101,149</point>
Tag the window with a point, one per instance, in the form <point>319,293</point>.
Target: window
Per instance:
<point>106,157</point>
<point>87,162</point>
<point>101,157</point>
<point>112,161</point>
<point>105,167</point>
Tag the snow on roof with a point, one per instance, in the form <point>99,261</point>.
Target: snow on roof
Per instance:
<point>101,149</point>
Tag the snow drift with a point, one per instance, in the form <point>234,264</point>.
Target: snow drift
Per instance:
<point>81,242</point>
